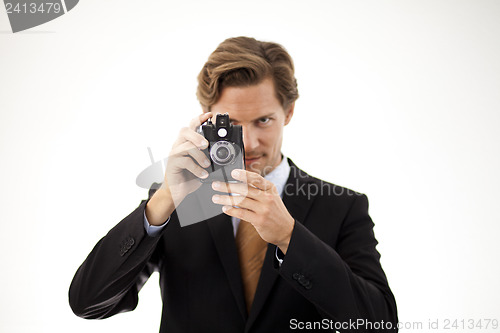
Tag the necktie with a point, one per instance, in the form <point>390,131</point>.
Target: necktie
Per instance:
<point>251,253</point>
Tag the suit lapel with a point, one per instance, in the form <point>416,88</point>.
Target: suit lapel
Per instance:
<point>298,204</point>
<point>296,196</point>
<point>221,229</point>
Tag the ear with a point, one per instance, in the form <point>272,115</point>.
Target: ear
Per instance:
<point>289,113</point>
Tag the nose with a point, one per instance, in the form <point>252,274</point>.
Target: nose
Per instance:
<point>250,139</point>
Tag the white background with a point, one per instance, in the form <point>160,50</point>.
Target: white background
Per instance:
<point>399,100</point>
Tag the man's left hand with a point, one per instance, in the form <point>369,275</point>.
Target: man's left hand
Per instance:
<point>259,203</point>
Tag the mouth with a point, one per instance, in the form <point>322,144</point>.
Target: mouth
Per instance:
<point>250,160</point>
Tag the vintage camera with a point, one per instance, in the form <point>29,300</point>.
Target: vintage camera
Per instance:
<point>225,148</point>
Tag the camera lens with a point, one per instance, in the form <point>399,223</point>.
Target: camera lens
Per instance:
<point>222,153</point>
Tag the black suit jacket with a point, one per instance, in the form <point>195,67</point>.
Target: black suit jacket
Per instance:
<point>330,277</point>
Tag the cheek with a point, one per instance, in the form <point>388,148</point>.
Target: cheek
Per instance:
<point>271,137</point>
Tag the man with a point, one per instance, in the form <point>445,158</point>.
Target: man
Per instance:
<point>289,252</point>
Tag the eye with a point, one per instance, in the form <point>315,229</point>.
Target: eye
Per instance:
<point>264,120</point>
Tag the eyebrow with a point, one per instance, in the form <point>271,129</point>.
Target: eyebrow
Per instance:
<point>264,116</point>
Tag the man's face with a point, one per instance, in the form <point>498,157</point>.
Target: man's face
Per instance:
<point>260,114</point>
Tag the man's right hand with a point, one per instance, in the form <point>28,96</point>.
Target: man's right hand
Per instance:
<point>185,166</point>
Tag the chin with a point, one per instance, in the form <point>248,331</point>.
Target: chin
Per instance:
<point>254,169</point>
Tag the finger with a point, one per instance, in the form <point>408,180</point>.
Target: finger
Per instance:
<point>197,121</point>
<point>242,214</point>
<point>252,178</point>
<point>236,201</point>
<point>188,149</point>
<point>187,163</point>
<point>236,188</point>
<point>188,135</point>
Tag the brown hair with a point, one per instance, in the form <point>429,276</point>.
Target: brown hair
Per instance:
<point>244,61</point>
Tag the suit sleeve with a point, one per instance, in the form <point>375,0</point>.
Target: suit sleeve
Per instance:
<point>110,278</point>
<point>345,282</point>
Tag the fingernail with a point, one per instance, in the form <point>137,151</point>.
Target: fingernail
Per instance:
<point>204,174</point>
<point>225,208</point>
<point>216,184</point>
<point>215,198</point>
<point>235,173</point>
